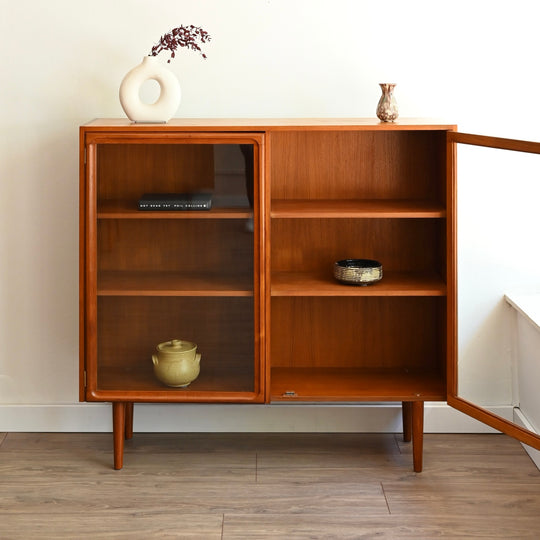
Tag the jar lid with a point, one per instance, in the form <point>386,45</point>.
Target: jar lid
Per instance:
<point>176,346</point>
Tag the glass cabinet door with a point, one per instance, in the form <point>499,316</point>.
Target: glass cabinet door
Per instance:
<point>496,238</point>
<point>173,253</point>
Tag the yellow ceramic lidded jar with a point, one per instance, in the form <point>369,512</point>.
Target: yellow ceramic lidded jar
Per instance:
<point>177,362</point>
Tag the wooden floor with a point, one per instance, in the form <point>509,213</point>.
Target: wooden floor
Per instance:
<point>251,486</point>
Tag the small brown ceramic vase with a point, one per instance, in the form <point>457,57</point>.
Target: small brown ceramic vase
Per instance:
<point>387,110</point>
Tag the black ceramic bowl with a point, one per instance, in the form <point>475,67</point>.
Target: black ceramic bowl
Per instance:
<point>358,271</point>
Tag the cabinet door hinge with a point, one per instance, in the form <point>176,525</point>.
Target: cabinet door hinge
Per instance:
<point>84,379</point>
<point>84,155</point>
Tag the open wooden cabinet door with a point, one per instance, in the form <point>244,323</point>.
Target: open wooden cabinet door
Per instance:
<point>461,393</point>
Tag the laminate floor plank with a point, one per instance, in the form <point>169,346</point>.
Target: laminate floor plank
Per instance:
<point>474,458</point>
<point>165,443</point>
<point>212,497</point>
<point>337,443</point>
<point>504,470</point>
<point>117,525</point>
<point>488,499</point>
<point>464,444</point>
<point>345,444</point>
<point>56,442</point>
<point>323,460</point>
<point>358,527</point>
<point>99,464</point>
<point>477,469</point>
<point>43,476</point>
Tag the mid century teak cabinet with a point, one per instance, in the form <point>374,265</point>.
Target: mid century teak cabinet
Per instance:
<point>250,280</point>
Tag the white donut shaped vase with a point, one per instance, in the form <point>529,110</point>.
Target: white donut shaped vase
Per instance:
<point>169,98</point>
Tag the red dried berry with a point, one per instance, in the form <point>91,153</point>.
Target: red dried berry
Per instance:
<point>181,36</point>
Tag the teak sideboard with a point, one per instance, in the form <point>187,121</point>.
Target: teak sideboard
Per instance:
<point>250,281</point>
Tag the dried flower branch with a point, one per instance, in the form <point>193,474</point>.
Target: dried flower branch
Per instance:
<point>183,36</point>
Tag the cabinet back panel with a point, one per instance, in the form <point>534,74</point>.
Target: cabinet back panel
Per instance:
<point>131,327</point>
<point>357,332</point>
<point>176,245</point>
<point>126,171</point>
<point>365,164</point>
<point>399,244</point>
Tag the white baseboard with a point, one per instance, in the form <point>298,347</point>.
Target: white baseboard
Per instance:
<point>339,418</point>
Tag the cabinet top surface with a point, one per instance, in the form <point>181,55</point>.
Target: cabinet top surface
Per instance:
<point>265,124</point>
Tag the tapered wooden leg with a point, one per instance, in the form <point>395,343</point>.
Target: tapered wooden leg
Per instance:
<point>406,412</point>
<point>417,434</point>
<point>129,420</point>
<point>119,428</point>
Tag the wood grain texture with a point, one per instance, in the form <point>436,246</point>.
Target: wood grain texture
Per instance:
<point>355,384</point>
<point>370,332</point>
<point>357,165</point>
<point>346,527</point>
<point>322,283</point>
<point>351,208</point>
<point>126,171</point>
<point>266,486</point>
<point>495,142</point>
<point>315,244</point>
<point>189,245</point>
<point>279,124</point>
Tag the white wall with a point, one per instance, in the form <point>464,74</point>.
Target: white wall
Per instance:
<point>473,63</point>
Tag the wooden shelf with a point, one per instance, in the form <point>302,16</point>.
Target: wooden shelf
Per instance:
<point>355,384</point>
<point>214,383</point>
<point>129,283</point>
<point>323,284</point>
<point>374,208</point>
<point>123,209</point>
